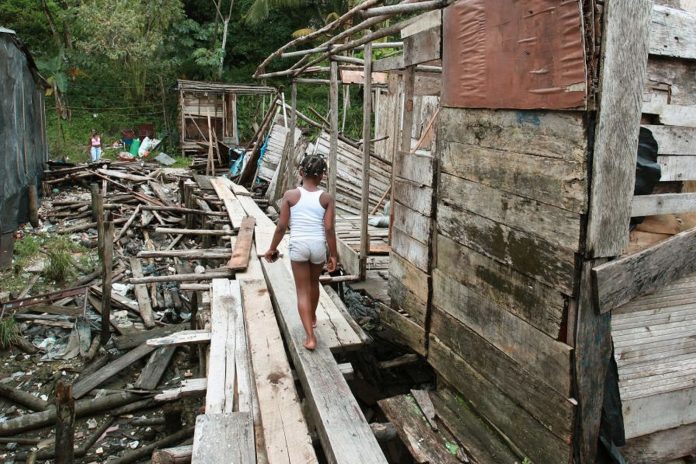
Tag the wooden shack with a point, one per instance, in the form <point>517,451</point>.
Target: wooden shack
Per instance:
<point>210,109</point>
<point>23,144</point>
<point>512,266</point>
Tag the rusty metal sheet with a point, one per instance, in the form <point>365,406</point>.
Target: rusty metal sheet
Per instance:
<point>521,54</point>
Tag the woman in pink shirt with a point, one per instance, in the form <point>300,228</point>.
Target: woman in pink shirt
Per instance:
<point>95,146</point>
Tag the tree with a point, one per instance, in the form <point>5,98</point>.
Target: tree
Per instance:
<point>225,27</point>
<point>127,32</point>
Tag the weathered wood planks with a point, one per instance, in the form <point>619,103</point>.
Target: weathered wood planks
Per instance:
<point>618,282</point>
<point>242,246</point>
<point>623,70</point>
<point>662,446</point>
<point>672,32</point>
<point>664,203</point>
<point>224,438</point>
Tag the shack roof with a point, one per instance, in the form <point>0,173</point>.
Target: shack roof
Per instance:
<point>30,59</point>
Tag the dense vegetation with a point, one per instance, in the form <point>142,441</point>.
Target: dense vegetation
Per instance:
<point>113,64</point>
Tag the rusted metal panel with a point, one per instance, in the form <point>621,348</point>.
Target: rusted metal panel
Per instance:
<point>522,54</point>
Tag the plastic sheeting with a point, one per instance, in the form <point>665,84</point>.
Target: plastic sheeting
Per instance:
<point>23,145</point>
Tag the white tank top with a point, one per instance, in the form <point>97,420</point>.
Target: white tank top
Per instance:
<point>307,217</point>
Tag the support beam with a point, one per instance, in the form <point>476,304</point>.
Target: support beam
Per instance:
<point>366,135</point>
<point>333,149</point>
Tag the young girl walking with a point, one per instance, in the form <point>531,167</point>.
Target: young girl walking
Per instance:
<point>310,213</point>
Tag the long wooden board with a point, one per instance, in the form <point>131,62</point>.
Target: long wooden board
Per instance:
<point>665,203</point>
<point>620,281</point>
<point>242,246</point>
<point>345,435</point>
<point>662,446</point>
<point>623,70</point>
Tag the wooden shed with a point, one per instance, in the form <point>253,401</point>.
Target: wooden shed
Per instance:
<point>211,105</point>
<point>23,144</point>
<point>513,269</point>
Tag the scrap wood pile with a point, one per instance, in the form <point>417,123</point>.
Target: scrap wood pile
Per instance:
<point>162,236</point>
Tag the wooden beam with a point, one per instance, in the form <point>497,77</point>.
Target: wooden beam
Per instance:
<point>622,78</point>
<point>199,232</point>
<point>181,338</point>
<point>142,295</point>
<point>366,136</point>
<point>222,348</point>
<point>620,281</point>
<point>423,22</point>
<point>153,371</point>
<point>208,275</point>
<point>672,32</point>
<point>665,203</point>
<point>242,246</point>
<point>333,150</point>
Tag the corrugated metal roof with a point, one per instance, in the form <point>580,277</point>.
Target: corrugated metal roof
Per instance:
<point>4,30</point>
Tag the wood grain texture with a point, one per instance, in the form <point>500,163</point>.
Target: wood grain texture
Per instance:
<point>422,47</point>
<point>661,446</point>
<point>592,355</point>
<point>542,356</point>
<point>527,298</point>
<point>414,251</point>
<point>242,245</point>
<point>224,438</point>
<point>400,270</point>
<point>623,70</point>
<point>551,408</point>
<point>673,140</point>
<point>403,328</point>
<point>650,414</point>
<point>672,32</point>
<point>535,441</point>
<point>154,369</point>
<point>677,168</point>
<point>665,203</point>
<point>414,167</point>
<point>345,435</point>
<point>527,254</point>
<point>620,281</point>
<point>412,223</point>
<point>418,197</point>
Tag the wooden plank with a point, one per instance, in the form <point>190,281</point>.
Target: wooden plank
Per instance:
<point>348,257</point>
<point>592,354</point>
<point>425,444</point>
<point>650,414</point>
<point>661,446</point>
<point>412,223</point>
<point>542,355</point>
<point>620,281</point>
<point>234,208</point>
<point>415,280</point>
<point>142,295</point>
<point>527,254</point>
<point>224,438</point>
<point>403,328</point>
<point>415,167</point>
<point>182,338</point>
<point>665,203</point>
<point>221,347</point>
<point>131,340</point>
<point>365,171</point>
<point>673,140</point>
<point>345,435</point>
<point>243,383</point>
<point>552,224</point>
<point>535,441</point>
<point>551,408</point>
<point>532,301</point>
<point>242,245</point>
<point>672,32</point>
<point>623,70</point>
<point>482,442</point>
<point>423,22</point>
<point>286,438</point>
<point>87,384</point>
<point>390,63</point>
<point>408,304</point>
<point>677,168</point>
<point>418,197</point>
<point>412,250</point>
<point>154,369</point>
<point>422,47</point>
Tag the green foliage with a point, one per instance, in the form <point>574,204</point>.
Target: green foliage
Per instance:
<point>8,332</point>
<point>61,266</point>
<point>26,248</point>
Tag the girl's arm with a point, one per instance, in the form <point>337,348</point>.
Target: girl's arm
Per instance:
<point>272,254</point>
<point>329,221</point>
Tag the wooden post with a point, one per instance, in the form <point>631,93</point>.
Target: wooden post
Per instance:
<point>65,424</point>
<point>333,147</point>
<point>33,195</point>
<point>367,136</point>
<point>98,214</point>
<point>107,252</point>
<point>290,167</point>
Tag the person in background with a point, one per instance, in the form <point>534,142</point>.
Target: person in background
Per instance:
<point>95,146</point>
<point>310,213</point>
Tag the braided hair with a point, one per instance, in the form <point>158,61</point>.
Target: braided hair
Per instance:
<point>313,165</point>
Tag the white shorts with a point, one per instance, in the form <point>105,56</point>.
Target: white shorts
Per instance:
<point>308,250</point>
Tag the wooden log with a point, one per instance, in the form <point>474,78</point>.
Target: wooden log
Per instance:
<point>33,199</point>
<point>23,398</point>
<point>87,384</point>
<point>65,424</point>
<point>127,224</point>
<point>403,8</point>
<point>82,408</point>
<point>107,253</point>
<point>622,77</point>
<point>140,453</point>
<point>208,275</point>
<point>620,281</point>
<point>242,246</point>
<point>200,232</point>
<point>177,455</point>
<point>141,294</point>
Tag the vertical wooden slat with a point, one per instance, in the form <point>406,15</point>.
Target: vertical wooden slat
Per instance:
<point>366,135</point>
<point>333,149</point>
<point>622,77</point>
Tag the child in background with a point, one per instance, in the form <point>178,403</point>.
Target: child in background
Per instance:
<point>311,213</point>
<point>95,146</point>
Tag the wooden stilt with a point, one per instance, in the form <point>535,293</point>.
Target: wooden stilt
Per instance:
<point>333,150</point>
<point>65,424</point>
<point>366,135</point>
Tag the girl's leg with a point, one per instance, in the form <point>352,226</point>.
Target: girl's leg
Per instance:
<point>315,272</point>
<point>302,273</point>
<point>93,154</point>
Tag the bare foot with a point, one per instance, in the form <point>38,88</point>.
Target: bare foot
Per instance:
<point>310,343</point>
